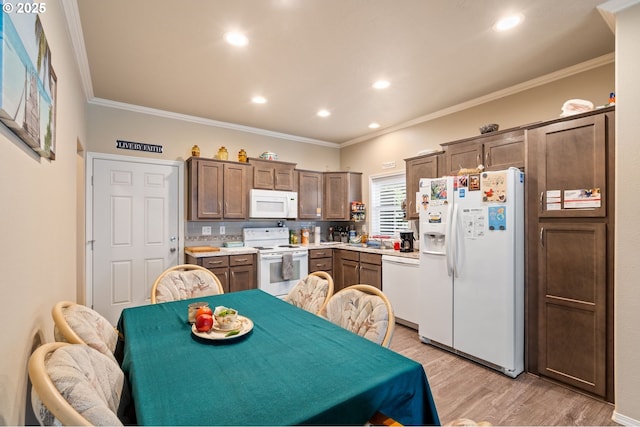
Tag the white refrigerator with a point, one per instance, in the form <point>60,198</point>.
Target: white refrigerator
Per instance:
<point>472,267</point>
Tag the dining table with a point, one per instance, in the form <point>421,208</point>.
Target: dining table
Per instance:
<point>287,366</point>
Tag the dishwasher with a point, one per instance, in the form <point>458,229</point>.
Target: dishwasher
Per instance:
<point>400,283</point>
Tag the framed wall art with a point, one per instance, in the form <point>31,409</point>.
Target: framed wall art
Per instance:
<point>27,81</point>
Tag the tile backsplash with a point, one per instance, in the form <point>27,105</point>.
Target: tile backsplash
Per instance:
<point>195,230</point>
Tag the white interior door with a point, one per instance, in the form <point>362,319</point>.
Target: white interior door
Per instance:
<point>135,226</point>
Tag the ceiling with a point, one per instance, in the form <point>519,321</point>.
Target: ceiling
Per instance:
<point>305,55</point>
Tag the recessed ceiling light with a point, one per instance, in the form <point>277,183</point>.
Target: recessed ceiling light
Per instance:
<point>259,100</point>
<point>236,39</point>
<point>381,84</point>
<point>324,113</point>
<point>374,125</point>
<point>508,22</point>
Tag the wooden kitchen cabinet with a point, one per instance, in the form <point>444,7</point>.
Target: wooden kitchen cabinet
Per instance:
<point>321,260</point>
<point>371,269</point>
<point>340,189</point>
<point>213,187</point>
<point>427,166</point>
<point>205,189</point>
<point>572,343</point>
<point>496,151</point>
<point>353,267</point>
<point>242,272</point>
<point>571,155</point>
<point>235,272</point>
<point>273,174</point>
<point>309,190</point>
<point>236,190</point>
<point>570,252</point>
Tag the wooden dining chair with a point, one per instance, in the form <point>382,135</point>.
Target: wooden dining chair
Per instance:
<point>183,282</point>
<point>79,324</point>
<point>74,384</point>
<point>364,310</point>
<point>312,293</point>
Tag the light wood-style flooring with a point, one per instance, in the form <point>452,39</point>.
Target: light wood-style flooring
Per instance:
<point>465,389</point>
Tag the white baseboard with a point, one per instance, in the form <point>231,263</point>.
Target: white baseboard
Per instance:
<point>624,420</point>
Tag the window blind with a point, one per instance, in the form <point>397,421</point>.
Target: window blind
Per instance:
<point>387,195</point>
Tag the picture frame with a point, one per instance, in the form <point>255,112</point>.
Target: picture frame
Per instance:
<point>28,83</point>
<point>474,182</point>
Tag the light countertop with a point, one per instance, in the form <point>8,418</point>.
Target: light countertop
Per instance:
<point>334,245</point>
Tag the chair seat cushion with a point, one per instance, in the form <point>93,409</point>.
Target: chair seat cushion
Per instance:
<point>180,285</point>
<point>309,294</point>
<point>361,313</point>
<point>90,381</point>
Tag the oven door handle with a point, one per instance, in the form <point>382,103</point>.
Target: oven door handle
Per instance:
<point>296,254</point>
<point>270,256</point>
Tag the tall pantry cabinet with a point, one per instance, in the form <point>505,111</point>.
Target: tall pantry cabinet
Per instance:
<point>570,212</point>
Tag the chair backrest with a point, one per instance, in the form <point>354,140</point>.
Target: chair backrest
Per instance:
<point>74,384</point>
<point>79,324</point>
<point>364,310</point>
<point>313,292</point>
<point>183,282</point>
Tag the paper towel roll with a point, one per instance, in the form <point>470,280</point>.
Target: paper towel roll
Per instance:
<point>316,236</point>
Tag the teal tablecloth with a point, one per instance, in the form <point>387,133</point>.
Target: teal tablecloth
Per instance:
<point>293,368</point>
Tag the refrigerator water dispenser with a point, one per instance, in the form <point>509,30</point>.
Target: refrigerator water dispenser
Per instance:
<point>433,243</point>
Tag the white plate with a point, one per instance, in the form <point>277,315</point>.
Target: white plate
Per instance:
<point>214,334</point>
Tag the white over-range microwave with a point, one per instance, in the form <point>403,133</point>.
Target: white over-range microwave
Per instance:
<point>273,204</point>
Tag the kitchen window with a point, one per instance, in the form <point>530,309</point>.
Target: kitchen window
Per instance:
<point>387,196</point>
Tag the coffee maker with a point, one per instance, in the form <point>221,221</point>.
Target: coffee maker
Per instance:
<point>406,241</point>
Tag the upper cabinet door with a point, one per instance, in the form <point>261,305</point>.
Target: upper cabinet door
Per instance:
<point>205,183</point>
<point>417,168</point>
<point>236,190</point>
<point>309,195</point>
<point>572,167</point>
<point>504,151</point>
<point>273,175</point>
<point>464,155</point>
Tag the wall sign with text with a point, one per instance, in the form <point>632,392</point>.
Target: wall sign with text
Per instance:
<point>138,146</point>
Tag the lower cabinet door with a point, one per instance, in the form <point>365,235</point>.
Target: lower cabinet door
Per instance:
<point>242,278</point>
<point>572,344</point>
<point>222,274</point>
<point>371,274</point>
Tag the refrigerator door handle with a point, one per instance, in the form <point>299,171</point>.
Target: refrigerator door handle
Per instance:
<point>449,241</point>
<point>456,252</point>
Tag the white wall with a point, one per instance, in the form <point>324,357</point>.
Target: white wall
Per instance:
<point>38,226</point>
<point>106,125</point>
<point>627,271</point>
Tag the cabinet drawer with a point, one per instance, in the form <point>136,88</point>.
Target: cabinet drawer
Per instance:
<point>215,261</point>
<point>246,259</point>
<point>320,253</point>
<point>320,264</point>
<point>371,258</point>
<point>348,255</point>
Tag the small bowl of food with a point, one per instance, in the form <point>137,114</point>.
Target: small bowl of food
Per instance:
<point>489,127</point>
<point>226,318</point>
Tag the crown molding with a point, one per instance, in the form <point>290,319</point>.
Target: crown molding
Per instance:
<point>74,28</point>
<point>207,122</point>
<point>548,78</point>
<point>609,9</point>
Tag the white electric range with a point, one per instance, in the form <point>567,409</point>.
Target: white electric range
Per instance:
<point>280,265</point>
